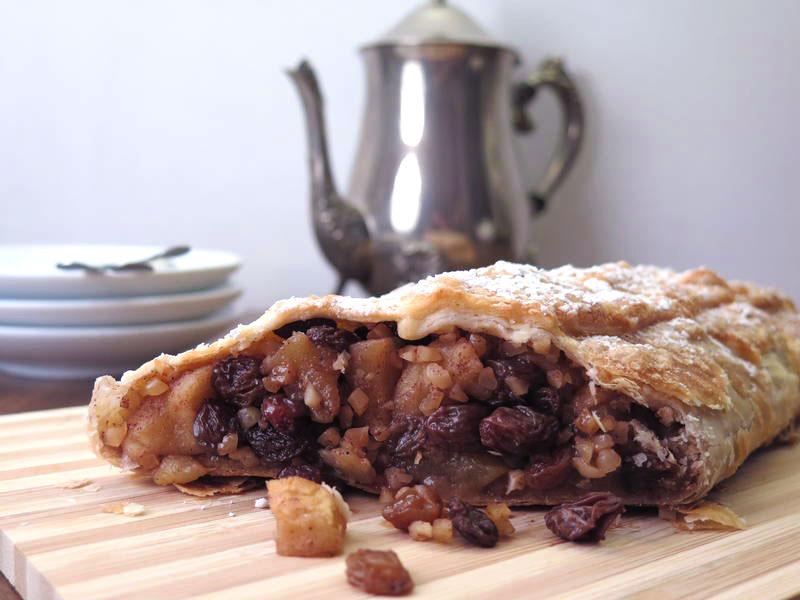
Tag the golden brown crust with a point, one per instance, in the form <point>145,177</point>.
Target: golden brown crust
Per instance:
<point>725,355</point>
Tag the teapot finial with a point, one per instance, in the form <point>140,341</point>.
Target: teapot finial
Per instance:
<point>340,228</point>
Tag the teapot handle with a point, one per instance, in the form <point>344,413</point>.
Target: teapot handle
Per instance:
<point>551,74</point>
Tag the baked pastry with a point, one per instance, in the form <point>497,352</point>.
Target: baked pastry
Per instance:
<point>507,383</point>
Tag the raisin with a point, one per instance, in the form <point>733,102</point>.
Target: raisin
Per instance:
<point>418,503</point>
<point>518,430</point>
<point>586,520</point>
<point>407,438</point>
<point>473,524</point>
<point>545,400</point>
<point>455,427</point>
<point>213,421</point>
<point>287,330</point>
<point>332,337</point>
<point>309,472</point>
<point>547,471</point>
<point>378,572</point>
<point>275,446</point>
<point>237,380</point>
<point>282,412</point>
<point>517,367</point>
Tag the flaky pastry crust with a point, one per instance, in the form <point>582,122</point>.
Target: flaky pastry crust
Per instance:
<point>725,356</point>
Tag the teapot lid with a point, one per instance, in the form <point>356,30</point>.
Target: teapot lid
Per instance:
<point>437,22</point>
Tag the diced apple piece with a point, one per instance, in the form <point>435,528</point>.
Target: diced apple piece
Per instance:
<point>349,465</point>
<point>311,518</point>
<point>314,368</point>
<point>178,469</point>
<point>412,389</point>
<point>163,424</point>
<point>463,364</point>
<point>374,368</point>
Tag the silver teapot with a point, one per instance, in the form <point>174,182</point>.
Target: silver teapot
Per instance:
<point>435,184</point>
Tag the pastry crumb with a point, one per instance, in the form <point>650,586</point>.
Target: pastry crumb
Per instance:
<point>420,531</point>
<point>702,516</point>
<point>76,484</point>
<point>129,509</point>
<point>500,514</point>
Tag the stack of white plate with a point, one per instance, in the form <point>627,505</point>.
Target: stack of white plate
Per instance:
<point>58,323</point>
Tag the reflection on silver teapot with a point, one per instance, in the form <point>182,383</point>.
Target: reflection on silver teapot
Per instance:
<point>435,183</point>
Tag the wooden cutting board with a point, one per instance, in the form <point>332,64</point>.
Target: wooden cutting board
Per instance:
<point>57,542</point>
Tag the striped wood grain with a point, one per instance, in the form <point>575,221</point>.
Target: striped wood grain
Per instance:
<point>56,542</point>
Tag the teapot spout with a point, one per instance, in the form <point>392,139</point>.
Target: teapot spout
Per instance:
<point>340,228</point>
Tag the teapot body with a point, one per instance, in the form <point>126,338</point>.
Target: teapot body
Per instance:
<point>435,175</point>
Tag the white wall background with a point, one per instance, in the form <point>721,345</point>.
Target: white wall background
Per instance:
<point>165,121</point>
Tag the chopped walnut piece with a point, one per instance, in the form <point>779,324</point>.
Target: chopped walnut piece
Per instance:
<point>420,531</point>
<point>311,520</point>
<point>340,364</point>
<point>516,481</point>
<point>349,465</point>
<point>442,530</point>
<point>500,514</point>
<point>420,354</point>
<point>330,438</point>
<point>154,387</point>
<point>228,444</point>
<point>431,402</point>
<point>359,401</point>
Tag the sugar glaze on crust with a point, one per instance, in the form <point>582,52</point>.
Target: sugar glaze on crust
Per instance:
<point>724,356</point>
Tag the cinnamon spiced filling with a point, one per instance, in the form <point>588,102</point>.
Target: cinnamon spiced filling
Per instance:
<point>468,414</point>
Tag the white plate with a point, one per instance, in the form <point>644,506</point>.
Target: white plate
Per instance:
<point>136,310</point>
<point>82,352</point>
<point>29,271</point>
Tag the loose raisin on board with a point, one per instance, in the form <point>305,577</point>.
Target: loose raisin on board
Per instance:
<point>378,572</point>
<point>473,524</point>
<point>237,380</point>
<point>586,520</point>
<point>418,503</point>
